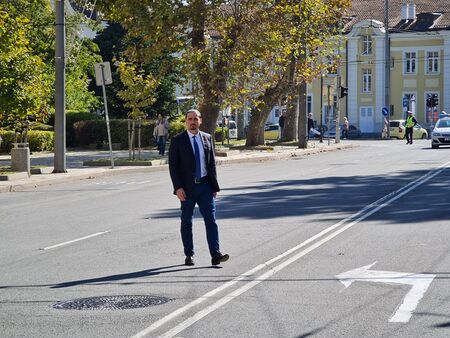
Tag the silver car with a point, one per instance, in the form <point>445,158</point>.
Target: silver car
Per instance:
<point>441,133</point>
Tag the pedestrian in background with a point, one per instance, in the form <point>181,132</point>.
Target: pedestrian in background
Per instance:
<point>281,121</point>
<point>346,127</point>
<point>409,126</point>
<point>192,168</point>
<point>310,124</point>
<point>161,133</point>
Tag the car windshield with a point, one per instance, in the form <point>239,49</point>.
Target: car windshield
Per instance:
<point>394,123</point>
<point>443,124</point>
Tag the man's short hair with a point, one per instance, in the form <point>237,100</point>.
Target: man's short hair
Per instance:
<point>193,111</point>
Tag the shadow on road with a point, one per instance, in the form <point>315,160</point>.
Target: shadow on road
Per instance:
<point>332,197</point>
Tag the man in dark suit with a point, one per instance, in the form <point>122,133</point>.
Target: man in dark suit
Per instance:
<point>192,169</point>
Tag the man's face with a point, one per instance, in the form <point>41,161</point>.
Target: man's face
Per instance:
<point>193,122</point>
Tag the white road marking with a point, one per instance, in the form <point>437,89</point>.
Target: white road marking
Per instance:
<point>419,283</point>
<point>326,169</point>
<point>75,240</point>
<point>357,217</point>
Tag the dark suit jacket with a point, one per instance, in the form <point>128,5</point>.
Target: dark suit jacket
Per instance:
<point>182,162</point>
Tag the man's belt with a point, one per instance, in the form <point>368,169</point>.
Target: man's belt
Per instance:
<point>200,180</point>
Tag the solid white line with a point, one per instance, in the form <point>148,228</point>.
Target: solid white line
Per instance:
<point>75,240</point>
<point>326,169</point>
<point>379,204</point>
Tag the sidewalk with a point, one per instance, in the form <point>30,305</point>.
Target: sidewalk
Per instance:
<point>76,170</point>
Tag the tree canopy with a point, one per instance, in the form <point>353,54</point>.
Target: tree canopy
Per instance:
<point>232,50</point>
<point>27,70</point>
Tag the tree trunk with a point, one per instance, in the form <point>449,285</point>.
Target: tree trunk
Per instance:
<point>255,135</point>
<point>302,116</point>
<point>255,131</point>
<point>291,122</point>
<point>210,109</point>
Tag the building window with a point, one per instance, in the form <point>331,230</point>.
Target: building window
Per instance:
<point>432,62</point>
<point>410,62</point>
<point>366,80</point>
<point>367,44</point>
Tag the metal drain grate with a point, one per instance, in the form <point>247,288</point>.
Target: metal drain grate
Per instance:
<point>121,302</point>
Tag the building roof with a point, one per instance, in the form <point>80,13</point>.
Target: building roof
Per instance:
<point>430,14</point>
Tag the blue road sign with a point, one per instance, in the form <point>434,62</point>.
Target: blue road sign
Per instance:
<point>405,102</point>
<point>385,111</point>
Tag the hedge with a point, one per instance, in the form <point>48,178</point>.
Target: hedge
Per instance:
<point>95,132</point>
<point>71,118</point>
<point>38,140</point>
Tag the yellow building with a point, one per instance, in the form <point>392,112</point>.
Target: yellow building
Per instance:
<point>419,65</point>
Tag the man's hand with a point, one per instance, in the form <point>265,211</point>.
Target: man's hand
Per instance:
<point>181,194</point>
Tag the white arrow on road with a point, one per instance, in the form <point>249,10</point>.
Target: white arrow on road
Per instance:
<point>419,283</point>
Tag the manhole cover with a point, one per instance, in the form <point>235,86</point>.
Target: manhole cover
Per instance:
<point>111,303</point>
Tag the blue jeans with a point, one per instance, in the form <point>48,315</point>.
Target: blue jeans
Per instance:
<point>203,196</point>
<point>161,144</point>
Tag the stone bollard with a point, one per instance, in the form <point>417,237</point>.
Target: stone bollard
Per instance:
<point>20,157</point>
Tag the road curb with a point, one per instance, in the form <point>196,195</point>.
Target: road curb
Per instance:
<point>91,173</point>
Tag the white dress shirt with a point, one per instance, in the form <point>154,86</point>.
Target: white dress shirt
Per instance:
<point>199,140</point>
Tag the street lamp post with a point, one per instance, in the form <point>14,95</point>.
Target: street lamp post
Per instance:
<point>60,93</point>
<point>387,65</point>
<point>321,109</point>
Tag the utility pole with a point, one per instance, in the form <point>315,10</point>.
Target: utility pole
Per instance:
<point>387,67</point>
<point>329,113</point>
<point>321,109</point>
<point>338,86</point>
<point>60,92</point>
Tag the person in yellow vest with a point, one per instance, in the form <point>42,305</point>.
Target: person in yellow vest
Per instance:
<point>410,123</point>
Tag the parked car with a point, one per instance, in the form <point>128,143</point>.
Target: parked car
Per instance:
<point>353,131</point>
<point>397,130</point>
<point>440,135</point>
<point>330,132</point>
<point>269,127</point>
<point>231,124</point>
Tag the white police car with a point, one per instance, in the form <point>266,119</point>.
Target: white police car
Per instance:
<point>440,135</point>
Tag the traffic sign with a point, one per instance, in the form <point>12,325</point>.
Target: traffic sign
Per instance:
<point>102,73</point>
<point>405,102</point>
<point>385,111</point>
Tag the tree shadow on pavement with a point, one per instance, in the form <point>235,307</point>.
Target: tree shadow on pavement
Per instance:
<point>333,196</point>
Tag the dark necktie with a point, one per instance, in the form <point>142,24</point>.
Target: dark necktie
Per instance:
<point>198,168</point>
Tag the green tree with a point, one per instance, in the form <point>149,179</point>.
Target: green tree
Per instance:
<point>230,49</point>
<point>27,62</point>
<point>24,81</point>
<point>275,62</point>
<point>113,43</point>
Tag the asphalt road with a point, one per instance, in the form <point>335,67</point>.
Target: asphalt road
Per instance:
<point>353,243</point>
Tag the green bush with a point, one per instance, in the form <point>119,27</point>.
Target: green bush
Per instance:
<point>7,141</point>
<point>40,126</point>
<point>218,135</point>
<point>38,140</point>
<point>95,132</point>
<point>177,125</point>
<point>71,118</point>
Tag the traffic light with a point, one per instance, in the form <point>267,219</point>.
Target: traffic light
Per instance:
<point>434,100</point>
<point>344,92</point>
<point>429,103</point>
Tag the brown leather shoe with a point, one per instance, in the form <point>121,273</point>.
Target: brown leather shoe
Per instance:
<point>216,260</point>
<point>189,261</point>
